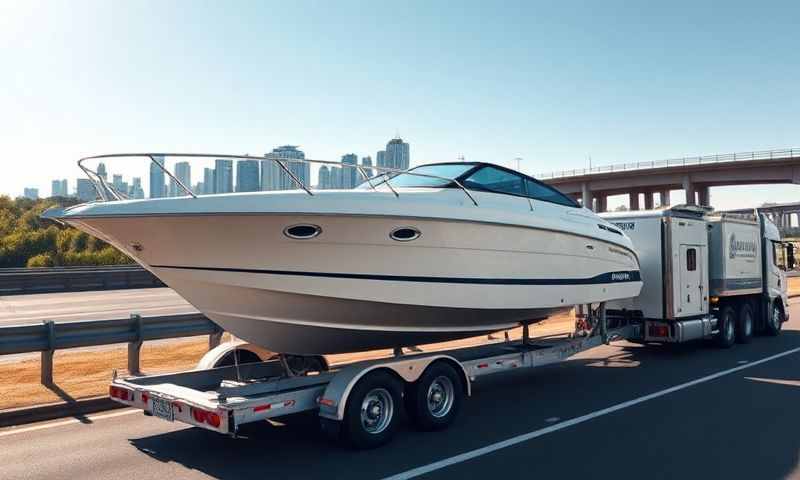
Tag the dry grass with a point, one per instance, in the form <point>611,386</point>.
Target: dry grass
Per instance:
<point>82,374</point>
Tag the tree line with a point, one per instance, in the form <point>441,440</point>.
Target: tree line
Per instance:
<point>27,240</point>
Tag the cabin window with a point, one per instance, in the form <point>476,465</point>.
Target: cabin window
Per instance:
<point>540,191</point>
<point>496,180</point>
<point>691,259</point>
<point>779,255</point>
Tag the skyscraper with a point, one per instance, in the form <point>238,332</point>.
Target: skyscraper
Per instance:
<point>272,175</point>
<point>56,189</point>
<point>157,187</point>
<point>366,164</point>
<point>223,176</point>
<point>336,177</point>
<point>208,181</point>
<point>64,188</point>
<point>397,154</point>
<point>183,172</point>
<point>136,189</point>
<point>381,159</point>
<point>84,190</point>
<point>324,181</point>
<point>247,179</point>
<point>101,171</point>
<point>349,174</point>
<point>31,193</point>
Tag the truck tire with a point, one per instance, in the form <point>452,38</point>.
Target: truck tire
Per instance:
<point>727,327</point>
<point>775,320</point>
<point>434,400</point>
<point>372,410</point>
<point>745,324</point>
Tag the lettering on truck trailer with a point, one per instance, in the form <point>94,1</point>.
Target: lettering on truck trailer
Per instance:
<point>625,225</point>
<point>741,248</point>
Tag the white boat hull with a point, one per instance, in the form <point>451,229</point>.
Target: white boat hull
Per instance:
<point>353,288</point>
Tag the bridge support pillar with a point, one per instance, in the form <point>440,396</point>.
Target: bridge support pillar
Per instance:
<point>633,201</point>
<point>688,187</point>
<point>648,200</point>
<point>600,203</point>
<point>704,197</point>
<point>665,198</point>
<point>586,196</point>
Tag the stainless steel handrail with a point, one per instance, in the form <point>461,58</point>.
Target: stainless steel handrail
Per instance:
<point>103,189</point>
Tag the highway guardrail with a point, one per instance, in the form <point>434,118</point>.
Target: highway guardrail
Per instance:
<point>15,281</point>
<point>50,336</point>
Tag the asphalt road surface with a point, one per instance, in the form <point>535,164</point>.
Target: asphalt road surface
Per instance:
<point>98,305</point>
<point>622,411</point>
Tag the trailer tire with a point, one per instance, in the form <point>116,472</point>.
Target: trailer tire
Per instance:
<point>373,410</point>
<point>434,400</point>
<point>775,320</point>
<point>727,327</point>
<point>745,324</point>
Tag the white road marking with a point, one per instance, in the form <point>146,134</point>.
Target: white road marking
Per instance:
<point>71,421</point>
<point>432,467</point>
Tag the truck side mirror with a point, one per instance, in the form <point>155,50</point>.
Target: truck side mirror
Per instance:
<point>790,260</point>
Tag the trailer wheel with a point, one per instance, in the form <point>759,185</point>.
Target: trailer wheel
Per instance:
<point>775,320</point>
<point>727,327</point>
<point>372,411</point>
<point>434,400</point>
<point>744,324</point>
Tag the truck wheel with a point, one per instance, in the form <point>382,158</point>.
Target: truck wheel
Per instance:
<point>744,324</point>
<point>727,327</point>
<point>373,407</point>
<point>434,400</point>
<point>775,320</point>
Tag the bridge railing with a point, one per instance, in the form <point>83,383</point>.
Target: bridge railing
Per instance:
<point>14,281</point>
<point>49,336</point>
<point>676,162</point>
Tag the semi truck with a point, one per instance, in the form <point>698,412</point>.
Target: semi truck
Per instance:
<point>706,275</point>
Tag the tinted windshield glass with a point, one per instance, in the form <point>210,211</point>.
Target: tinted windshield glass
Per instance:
<point>538,191</point>
<point>496,180</point>
<point>448,171</point>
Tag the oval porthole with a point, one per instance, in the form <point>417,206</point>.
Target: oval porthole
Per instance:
<point>405,234</point>
<point>302,232</point>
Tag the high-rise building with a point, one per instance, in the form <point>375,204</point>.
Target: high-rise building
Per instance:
<point>324,181</point>
<point>366,166</point>
<point>137,191</point>
<point>64,188</point>
<point>381,159</point>
<point>199,188</point>
<point>57,188</point>
<point>247,179</point>
<point>183,172</point>
<point>336,178</point>
<point>157,187</point>
<point>208,181</point>
<point>272,175</point>
<point>31,193</point>
<point>349,174</point>
<point>397,154</point>
<point>85,190</point>
<point>101,171</point>
<point>223,176</point>
<point>117,183</point>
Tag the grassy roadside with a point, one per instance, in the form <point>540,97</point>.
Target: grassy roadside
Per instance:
<point>87,373</point>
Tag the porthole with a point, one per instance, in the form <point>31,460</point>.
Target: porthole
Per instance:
<point>405,234</point>
<point>302,232</point>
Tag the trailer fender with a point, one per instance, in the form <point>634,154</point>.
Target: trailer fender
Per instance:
<point>213,357</point>
<point>334,399</point>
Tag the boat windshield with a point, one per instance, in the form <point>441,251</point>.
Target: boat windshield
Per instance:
<point>446,170</point>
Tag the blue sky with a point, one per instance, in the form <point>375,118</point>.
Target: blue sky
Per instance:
<point>551,82</point>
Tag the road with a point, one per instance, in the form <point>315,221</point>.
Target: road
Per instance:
<point>622,411</point>
<point>98,305</point>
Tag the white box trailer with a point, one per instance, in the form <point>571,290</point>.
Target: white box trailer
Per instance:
<point>706,275</point>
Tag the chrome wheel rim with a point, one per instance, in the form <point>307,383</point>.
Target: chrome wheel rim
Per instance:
<point>776,318</point>
<point>377,410</point>
<point>440,396</point>
<point>748,326</point>
<point>729,329</point>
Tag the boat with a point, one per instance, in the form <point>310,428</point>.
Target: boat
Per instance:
<point>434,253</point>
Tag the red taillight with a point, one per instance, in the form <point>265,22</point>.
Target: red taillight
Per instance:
<point>659,331</point>
<point>145,398</point>
<point>120,393</point>
<point>211,418</point>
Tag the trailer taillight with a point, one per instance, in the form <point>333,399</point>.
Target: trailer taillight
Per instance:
<point>145,398</point>
<point>658,331</point>
<point>210,418</point>
<point>119,393</point>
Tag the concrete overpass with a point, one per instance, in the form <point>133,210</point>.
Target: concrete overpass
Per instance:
<point>785,215</point>
<point>694,175</point>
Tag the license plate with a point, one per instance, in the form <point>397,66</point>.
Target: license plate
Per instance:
<point>163,409</point>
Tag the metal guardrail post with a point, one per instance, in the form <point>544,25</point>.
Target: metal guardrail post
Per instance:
<point>47,355</point>
<point>215,338</point>
<point>135,347</point>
